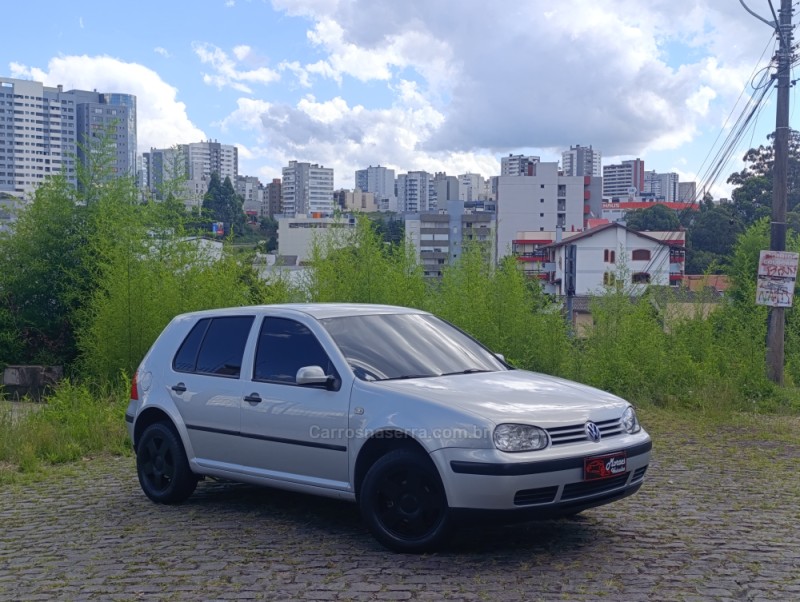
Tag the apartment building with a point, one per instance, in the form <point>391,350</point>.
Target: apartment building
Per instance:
<point>581,161</point>
<point>544,201</point>
<point>296,235</point>
<point>661,186</point>
<point>415,193</point>
<point>471,187</point>
<point>687,192</point>
<point>445,188</point>
<point>192,164</point>
<point>517,165</point>
<point>252,192</point>
<point>380,182</point>
<point>623,180</point>
<point>584,263</point>
<point>44,129</point>
<point>210,156</point>
<point>356,200</point>
<point>272,198</point>
<point>306,189</point>
<point>439,238</point>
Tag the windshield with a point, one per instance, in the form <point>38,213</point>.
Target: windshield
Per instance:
<point>394,346</point>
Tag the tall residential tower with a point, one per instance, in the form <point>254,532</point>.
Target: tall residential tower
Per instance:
<point>307,188</point>
<point>43,129</point>
<point>581,161</point>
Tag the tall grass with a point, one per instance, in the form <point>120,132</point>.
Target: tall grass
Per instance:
<point>73,423</point>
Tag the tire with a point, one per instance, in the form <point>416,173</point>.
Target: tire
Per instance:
<point>161,464</point>
<point>403,502</point>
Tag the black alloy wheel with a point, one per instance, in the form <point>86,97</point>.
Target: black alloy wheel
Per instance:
<point>403,502</point>
<point>162,467</point>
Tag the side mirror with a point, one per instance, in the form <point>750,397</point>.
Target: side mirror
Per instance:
<point>501,357</point>
<point>314,375</point>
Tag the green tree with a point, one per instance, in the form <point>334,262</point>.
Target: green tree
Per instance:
<point>711,238</point>
<point>42,277</point>
<point>752,196</point>
<point>269,228</point>
<point>354,264</point>
<point>390,226</point>
<point>656,218</point>
<point>222,204</point>
<point>752,199</point>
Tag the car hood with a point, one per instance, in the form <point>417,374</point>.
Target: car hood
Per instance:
<point>513,395</point>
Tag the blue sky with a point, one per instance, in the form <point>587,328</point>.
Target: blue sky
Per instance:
<point>440,85</point>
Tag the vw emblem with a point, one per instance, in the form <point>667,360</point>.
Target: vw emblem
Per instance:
<point>592,431</point>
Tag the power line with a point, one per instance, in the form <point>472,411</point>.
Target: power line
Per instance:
<point>764,80</point>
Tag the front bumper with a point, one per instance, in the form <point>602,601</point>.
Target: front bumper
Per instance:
<point>548,484</point>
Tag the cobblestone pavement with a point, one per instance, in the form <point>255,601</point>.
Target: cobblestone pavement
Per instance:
<point>718,519</point>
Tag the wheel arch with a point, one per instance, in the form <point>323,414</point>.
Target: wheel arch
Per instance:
<point>150,416</point>
<point>378,445</point>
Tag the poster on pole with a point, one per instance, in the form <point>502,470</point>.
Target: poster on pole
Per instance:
<point>777,272</point>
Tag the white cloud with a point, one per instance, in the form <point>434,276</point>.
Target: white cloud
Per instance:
<point>348,137</point>
<point>162,51</point>
<point>298,71</point>
<point>161,119</point>
<point>241,52</point>
<point>625,76</point>
<point>247,116</point>
<point>80,22</point>
<point>226,71</point>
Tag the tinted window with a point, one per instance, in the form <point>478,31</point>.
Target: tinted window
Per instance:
<point>285,346</point>
<point>186,358</point>
<point>223,346</point>
<point>385,346</point>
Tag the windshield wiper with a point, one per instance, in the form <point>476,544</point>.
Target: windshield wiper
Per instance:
<point>409,376</point>
<point>467,371</point>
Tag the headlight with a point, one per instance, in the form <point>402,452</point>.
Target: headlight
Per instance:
<point>630,424</point>
<point>519,438</point>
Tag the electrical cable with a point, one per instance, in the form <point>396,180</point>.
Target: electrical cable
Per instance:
<point>736,104</point>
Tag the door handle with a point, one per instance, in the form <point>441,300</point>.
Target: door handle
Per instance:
<point>179,388</point>
<point>253,398</point>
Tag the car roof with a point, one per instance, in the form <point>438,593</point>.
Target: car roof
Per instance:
<point>315,310</point>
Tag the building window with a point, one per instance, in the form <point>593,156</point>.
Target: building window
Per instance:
<point>641,255</point>
<point>641,278</point>
<point>609,256</point>
<point>609,279</point>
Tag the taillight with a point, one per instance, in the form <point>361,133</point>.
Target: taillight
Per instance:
<point>134,387</point>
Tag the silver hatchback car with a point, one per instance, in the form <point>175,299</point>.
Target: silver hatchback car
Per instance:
<point>389,407</point>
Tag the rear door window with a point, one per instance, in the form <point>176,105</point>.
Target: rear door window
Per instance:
<point>215,346</point>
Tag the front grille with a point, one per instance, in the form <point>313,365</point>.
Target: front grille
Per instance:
<point>584,488</point>
<point>542,495</point>
<point>575,433</point>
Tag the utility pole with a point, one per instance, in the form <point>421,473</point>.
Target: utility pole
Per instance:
<point>776,324</point>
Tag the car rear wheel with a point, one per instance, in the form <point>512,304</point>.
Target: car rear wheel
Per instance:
<point>403,502</point>
<point>161,464</point>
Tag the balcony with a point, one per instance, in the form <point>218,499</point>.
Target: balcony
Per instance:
<point>535,256</point>
<point>677,256</point>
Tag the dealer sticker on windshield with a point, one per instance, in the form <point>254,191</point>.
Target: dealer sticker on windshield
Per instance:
<point>603,467</point>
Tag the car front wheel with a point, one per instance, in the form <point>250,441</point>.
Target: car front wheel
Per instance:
<point>403,502</point>
<point>161,464</point>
